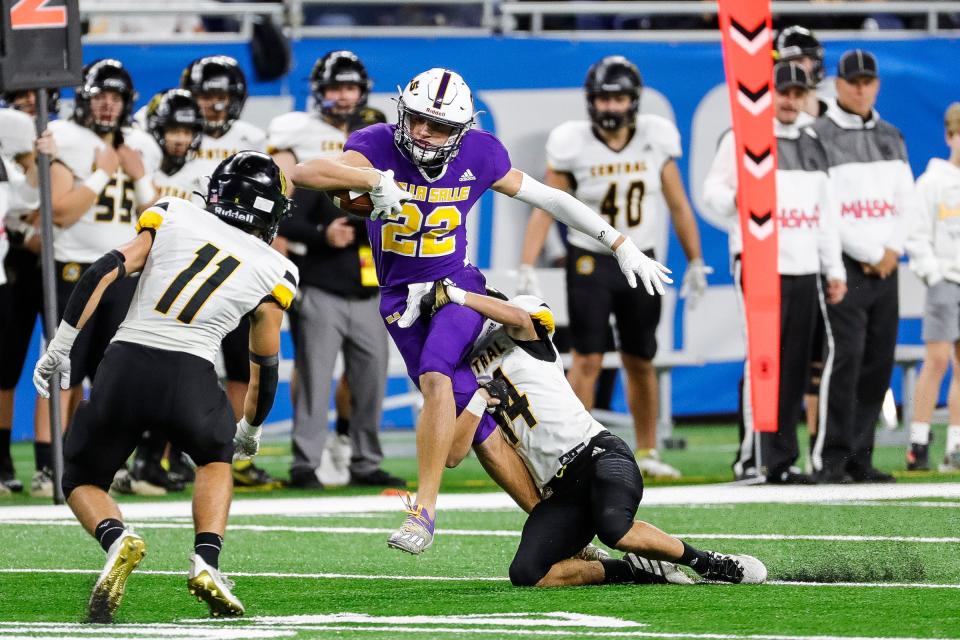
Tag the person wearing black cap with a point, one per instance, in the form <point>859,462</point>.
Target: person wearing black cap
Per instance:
<point>808,244</point>
<point>878,207</point>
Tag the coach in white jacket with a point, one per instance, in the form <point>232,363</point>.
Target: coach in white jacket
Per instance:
<point>878,206</point>
<point>934,248</point>
<point>808,243</point>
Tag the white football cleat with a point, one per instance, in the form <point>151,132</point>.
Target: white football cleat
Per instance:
<point>738,569</point>
<point>592,553</point>
<point>212,587</point>
<point>651,466</point>
<point>41,485</point>
<point>124,555</point>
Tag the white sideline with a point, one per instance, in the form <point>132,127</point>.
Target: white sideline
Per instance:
<point>508,533</point>
<point>652,496</point>
<point>358,576</point>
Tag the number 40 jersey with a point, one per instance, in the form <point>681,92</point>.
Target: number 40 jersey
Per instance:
<point>543,419</point>
<point>201,277</point>
<point>622,186</point>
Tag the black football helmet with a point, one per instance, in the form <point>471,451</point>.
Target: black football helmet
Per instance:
<point>174,108</point>
<point>99,76</point>
<point>217,73</point>
<point>339,67</point>
<point>797,42</point>
<point>9,99</point>
<point>248,191</point>
<point>613,74</point>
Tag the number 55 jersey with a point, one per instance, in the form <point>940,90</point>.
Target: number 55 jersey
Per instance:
<point>201,277</point>
<point>542,419</point>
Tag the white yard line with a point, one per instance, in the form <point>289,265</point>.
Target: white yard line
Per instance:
<point>505,533</point>
<point>357,576</point>
<point>652,496</point>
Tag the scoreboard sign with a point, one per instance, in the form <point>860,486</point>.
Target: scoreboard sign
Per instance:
<point>39,44</point>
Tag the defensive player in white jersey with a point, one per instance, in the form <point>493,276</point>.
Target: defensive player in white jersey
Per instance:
<point>100,179</point>
<point>201,270</point>
<point>934,247</point>
<point>619,163</point>
<point>588,478</point>
<point>808,245</point>
<point>174,121</point>
<point>219,86</point>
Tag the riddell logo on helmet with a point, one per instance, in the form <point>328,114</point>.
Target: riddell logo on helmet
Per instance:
<point>436,112</point>
<point>233,214</point>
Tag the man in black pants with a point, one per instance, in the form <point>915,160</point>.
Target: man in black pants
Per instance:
<point>808,244</point>
<point>878,206</point>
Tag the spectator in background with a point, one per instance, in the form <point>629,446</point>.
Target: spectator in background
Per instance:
<point>338,310</point>
<point>808,244</point>
<point>934,249</point>
<point>871,177</point>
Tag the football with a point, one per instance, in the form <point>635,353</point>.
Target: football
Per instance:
<point>358,204</point>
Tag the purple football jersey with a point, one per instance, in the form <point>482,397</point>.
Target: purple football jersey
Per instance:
<point>428,241</point>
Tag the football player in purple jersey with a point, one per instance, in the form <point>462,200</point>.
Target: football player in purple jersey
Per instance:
<point>423,176</point>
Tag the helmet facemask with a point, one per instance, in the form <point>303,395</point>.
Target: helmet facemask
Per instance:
<point>613,120</point>
<point>427,154</point>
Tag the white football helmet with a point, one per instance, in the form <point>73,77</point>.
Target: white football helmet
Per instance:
<point>17,133</point>
<point>442,96</point>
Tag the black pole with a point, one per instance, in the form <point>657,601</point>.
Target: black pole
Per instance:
<point>49,295</point>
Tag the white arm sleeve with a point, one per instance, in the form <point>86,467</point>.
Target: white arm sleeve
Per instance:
<point>720,186</point>
<point>566,209</point>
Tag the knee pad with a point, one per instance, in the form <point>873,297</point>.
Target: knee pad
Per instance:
<point>526,573</point>
<point>613,525</point>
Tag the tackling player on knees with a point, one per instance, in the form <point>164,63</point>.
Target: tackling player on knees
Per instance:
<point>201,271</point>
<point>588,477</point>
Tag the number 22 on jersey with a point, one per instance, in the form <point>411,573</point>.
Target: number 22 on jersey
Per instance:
<point>205,255</point>
<point>414,234</point>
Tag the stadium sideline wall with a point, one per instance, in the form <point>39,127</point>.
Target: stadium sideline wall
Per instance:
<point>526,87</point>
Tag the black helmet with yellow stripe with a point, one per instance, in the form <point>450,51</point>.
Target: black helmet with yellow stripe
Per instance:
<point>248,191</point>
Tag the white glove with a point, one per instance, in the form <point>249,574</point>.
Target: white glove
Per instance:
<point>527,281</point>
<point>246,442</point>
<point>56,359</point>
<point>415,293</point>
<point>634,263</point>
<point>695,281</point>
<point>387,196</point>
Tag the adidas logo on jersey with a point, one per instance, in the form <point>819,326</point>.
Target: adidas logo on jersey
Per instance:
<point>467,176</point>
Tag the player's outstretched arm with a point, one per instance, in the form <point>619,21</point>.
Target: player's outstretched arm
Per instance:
<point>265,324</point>
<point>509,315</point>
<point>570,211</point>
<point>84,300</point>
<point>352,171</point>
<point>538,226</point>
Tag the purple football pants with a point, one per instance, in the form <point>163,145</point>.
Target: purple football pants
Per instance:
<point>442,343</point>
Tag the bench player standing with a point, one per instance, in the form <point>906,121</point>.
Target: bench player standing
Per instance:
<point>201,271</point>
<point>618,163</point>
<point>418,235</point>
<point>219,86</point>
